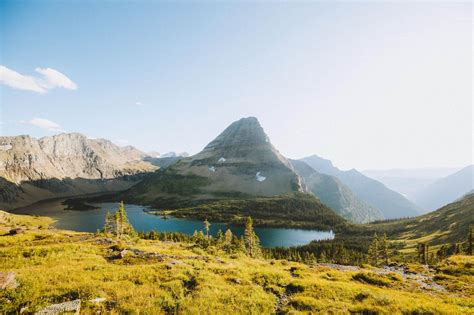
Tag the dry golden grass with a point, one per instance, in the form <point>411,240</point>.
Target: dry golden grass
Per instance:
<point>54,266</point>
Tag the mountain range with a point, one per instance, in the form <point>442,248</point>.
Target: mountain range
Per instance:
<point>446,189</point>
<point>239,166</point>
<point>64,165</point>
<point>389,202</point>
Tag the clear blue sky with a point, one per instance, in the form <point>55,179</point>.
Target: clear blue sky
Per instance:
<point>366,85</point>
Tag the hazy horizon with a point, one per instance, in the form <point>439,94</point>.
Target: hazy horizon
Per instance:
<point>371,86</point>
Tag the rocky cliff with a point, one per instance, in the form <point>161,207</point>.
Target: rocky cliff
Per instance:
<point>66,164</point>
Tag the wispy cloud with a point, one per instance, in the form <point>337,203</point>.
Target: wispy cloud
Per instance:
<point>138,103</point>
<point>48,79</point>
<point>43,124</point>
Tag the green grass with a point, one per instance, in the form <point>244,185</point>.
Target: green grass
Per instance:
<point>54,266</point>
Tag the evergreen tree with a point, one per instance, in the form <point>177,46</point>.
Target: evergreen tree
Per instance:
<point>374,251</point>
<point>118,224</point>
<point>228,237</point>
<point>219,237</point>
<point>251,241</point>
<point>207,226</point>
<point>109,226</point>
<point>384,249</point>
<point>423,253</point>
<point>470,240</point>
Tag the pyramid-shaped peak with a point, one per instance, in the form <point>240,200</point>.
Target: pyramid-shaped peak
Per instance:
<point>245,131</point>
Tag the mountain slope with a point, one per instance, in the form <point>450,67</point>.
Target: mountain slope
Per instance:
<point>390,203</point>
<point>449,224</point>
<point>446,189</point>
<point>332,192</point>
<point>63,165</point>
<point>241,162</point>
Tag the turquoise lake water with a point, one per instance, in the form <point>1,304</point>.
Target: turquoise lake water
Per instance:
<point>92,220</point>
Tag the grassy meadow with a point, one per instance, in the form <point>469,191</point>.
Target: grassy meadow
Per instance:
<point>54,266</point>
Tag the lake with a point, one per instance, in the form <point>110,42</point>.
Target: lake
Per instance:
<point>92,220</point>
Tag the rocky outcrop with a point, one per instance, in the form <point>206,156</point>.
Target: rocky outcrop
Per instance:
<point>64,165</point>
<point>66,156</point>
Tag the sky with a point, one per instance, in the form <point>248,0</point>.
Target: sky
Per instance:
<point>368,85</point>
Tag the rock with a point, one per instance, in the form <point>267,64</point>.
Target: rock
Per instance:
<point>17,230</point>
<point>174,262</point>
<point>140,253</point>
<point>237,280</point>
<point>105,241</point>
<point>71,306</point>
<point>98,300</point>
<point>219,260</point>
<point>8,280</point>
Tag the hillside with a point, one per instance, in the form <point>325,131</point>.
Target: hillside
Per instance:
<point>103,275</point>
<point>449,224</point>
<point>240,163</point>
<point>333,193</point>
<point>391,204</point>
<point>446,189</point>
<point>63,165</point>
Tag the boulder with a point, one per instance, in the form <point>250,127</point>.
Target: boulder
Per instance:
<point>8,280</point>
<point>71,306</point>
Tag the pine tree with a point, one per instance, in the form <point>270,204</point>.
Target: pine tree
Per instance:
<point>219,237</point>
<point>228,237</point>
<point>374,250</point>
<point>251,241</point>
<point>423,253</point>
<point>109,226</point>
<point>470,240</point>
<point>384,249</point>
<point>207,226</point>
<point>122,226</point>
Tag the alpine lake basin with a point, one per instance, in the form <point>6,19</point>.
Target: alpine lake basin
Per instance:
<point>142,220</point>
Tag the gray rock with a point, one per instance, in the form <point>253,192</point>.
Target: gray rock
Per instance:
<point>8,280</point>
<point>71,306</point>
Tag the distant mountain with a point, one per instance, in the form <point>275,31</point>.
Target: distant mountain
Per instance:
<point>333,193</point>
<point>390,203</point>
<point>446,189</point>
<point>62,165</point>
<point>409,182</point>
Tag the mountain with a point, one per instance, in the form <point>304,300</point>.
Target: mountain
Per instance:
<point>447,225</point>
<point>390,203</point>
<point>333,193</point>
<point>240,162</point>
<point>446,189</point>
<point>63,165</point>
<point>409,182</point>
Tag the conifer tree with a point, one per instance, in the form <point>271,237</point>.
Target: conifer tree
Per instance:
<point>384,249</point>
<point>207,226</point>
<point>228,237</point>
<point>122,226</point>
<point>470,240</point>
<point>109,226</point>
<point>251,241</point>
<point>374,250</point>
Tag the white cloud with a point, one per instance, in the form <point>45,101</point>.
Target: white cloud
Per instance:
<point>49,79</point>
<point>138,103</point>
<point>54,78</point>
<point>44,124</point>
<point>15,80</point>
